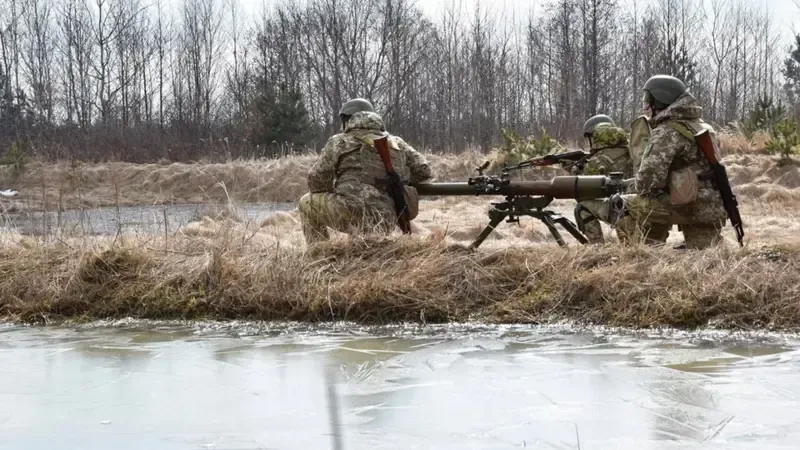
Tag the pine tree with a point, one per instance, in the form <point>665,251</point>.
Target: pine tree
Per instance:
<point>791,71</point>
<point>279,118</point>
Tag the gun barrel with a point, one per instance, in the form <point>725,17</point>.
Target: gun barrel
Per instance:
<point>572,187</point>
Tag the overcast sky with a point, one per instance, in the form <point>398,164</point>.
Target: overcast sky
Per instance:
<point>785,12</point>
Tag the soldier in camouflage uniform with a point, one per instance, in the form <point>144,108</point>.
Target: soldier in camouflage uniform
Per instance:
<point>346,192</point>
<point>674,184</point>
<point>610,153</point>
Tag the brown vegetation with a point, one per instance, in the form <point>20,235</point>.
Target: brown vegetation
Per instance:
<point>370,280</point>
<point>223,266</point>
<point>48,186</point>
<point>81,185</point>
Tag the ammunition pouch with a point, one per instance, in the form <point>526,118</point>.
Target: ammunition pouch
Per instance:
<point>412,200</point>
<point>683,187</point>
<point>580,220</point>
<point>410,195</point>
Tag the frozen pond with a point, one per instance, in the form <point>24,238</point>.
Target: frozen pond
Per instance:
<point>185,388</point>
<point>131,219</point>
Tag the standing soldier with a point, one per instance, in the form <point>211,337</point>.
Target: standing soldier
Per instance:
<point>608,145</point>
<point>674,181</point>
<point>347,184</point>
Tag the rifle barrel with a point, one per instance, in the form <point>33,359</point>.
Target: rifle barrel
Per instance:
<point>564,187</point>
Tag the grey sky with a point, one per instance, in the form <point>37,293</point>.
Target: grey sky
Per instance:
<point>785,12</point>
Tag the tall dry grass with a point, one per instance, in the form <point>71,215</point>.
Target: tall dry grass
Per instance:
<point>223,266</point>
<point>234,274</point>
<point>72,185</point>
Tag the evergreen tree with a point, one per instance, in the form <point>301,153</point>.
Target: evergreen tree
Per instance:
<point>791,71</point>
<point>278,118</point>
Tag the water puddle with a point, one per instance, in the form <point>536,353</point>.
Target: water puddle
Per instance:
<point>129,219</point>
<point>196,387</point>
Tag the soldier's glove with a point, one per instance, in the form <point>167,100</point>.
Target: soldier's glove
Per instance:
<point>616,210</point>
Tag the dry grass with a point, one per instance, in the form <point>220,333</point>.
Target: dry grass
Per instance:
<point>61,186</point>
<point>47,186</point>
<point>224,266</point>
<point>227,273</point>
<point>734,142</point>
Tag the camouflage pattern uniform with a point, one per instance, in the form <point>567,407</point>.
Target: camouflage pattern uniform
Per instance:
<point>649,213</point>
<point>613,155</point>
<point>344,189</point>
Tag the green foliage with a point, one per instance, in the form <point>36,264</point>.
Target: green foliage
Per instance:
<point>516,149</point>
<point>791,71</point>
<point>764,116</point>
<point>785,139</point>
<point>16,157</point>
<point>278,119</point>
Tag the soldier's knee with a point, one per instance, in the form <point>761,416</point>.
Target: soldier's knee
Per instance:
<point>583,217</point>
<point>303,205</point>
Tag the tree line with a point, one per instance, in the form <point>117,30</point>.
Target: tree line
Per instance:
<point>143,80</point>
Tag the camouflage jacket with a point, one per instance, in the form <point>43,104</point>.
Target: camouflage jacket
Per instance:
<point>350,165</point>
<point>671,147</point>
<point>612,154</point>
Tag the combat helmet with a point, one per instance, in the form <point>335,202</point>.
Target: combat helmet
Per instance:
<point>663,90</point>
<point>593,122</point>
<point>355,105</point>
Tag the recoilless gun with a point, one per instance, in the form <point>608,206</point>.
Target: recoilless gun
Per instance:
<point>528,198</point>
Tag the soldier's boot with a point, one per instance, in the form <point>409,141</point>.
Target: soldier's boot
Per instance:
<point>588,224</point>
<point>701,236</point>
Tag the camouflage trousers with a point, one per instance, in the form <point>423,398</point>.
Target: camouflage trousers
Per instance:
<point>650,220</point>
<point>591,212</point>
<point>320,211</point>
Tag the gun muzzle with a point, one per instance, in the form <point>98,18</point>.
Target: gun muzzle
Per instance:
<point>580,187</point>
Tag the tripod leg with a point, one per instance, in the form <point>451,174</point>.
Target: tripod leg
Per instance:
<point>572,229</point>
<point>553,230</point>
<point>487,231</point>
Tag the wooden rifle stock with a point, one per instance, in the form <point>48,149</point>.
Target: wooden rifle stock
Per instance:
<point>395,187</point>
<point>709,149</point>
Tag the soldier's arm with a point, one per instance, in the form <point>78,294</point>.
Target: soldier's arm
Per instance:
<point>651,178</point>
<point>322,173</point>
<point>416,162</point>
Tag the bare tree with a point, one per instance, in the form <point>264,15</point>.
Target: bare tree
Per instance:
<point>38,57</point>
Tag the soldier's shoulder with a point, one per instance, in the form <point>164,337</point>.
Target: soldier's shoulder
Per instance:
<point>334,138</point>
<point>399,143</point>
<point>341,140</point>
<point>665,134</point>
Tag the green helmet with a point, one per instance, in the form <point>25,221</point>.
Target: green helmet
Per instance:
<point>589,126</point>
<point>663,90</point>
<point>355,105</point>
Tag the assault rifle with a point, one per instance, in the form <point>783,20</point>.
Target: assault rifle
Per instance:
<point>577,158</point>
<point>529,198</point>
<point>395,186</point>
<point>729,201</point>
